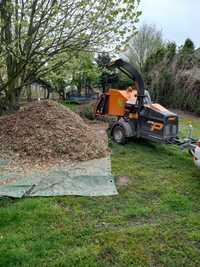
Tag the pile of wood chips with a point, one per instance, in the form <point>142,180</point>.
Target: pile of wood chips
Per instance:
<point>46,130</point>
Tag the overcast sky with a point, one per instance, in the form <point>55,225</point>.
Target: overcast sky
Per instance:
<point>178,19</point>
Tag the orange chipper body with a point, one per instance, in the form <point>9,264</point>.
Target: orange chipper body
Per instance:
<point>117,100</point>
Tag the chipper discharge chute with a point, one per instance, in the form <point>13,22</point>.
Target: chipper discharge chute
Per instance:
<point>136,115</point>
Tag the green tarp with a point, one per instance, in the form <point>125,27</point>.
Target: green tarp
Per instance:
<point>91,178</point>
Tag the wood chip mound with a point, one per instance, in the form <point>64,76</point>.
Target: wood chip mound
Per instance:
<point>46,130</point>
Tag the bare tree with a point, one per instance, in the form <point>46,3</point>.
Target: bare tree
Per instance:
<point>143,44</point>
<point>34,32</point>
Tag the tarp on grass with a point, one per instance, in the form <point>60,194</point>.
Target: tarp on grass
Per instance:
<point>89,178</point>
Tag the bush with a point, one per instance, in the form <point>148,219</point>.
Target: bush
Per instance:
<point>168,77</point>
<point>87,111</point>
<point>154,59</point>
<point>171,50</point>
<point>185,53</point>
<point>188,46</point>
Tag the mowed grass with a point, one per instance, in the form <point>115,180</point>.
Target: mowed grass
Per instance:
<point>154,221</point>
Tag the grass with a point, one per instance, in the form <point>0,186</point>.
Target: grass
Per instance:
<point>70,105</point>
<point>154,221</point>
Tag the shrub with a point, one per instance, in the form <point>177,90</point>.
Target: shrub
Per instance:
<point>87,111</point>
<point>188,46</point>
<point>171,50</point>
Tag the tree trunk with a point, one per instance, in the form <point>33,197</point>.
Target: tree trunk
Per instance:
<point>12,95</point>
<point>11,91</point>
<point>48,94</point>
<point>12,98</point>
<point>79,87</point>
<point>29,93</point>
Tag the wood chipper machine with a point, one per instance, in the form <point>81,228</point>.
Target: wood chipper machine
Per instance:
<point>136,115</point>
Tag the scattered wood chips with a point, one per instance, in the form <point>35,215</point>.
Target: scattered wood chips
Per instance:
<point>47,131</point>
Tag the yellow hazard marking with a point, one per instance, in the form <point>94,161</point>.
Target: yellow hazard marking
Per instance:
<point>120,103</point>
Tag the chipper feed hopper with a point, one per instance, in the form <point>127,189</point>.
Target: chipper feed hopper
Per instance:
<point>136,115</point>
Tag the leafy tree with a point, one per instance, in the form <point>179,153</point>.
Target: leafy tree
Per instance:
<point>84,72</point>
<point>80,71</point>
<point>102,60</point>
<point>154,59</point>
<point>143,44</point>
<point>114,77</point>
<point>171,50</point>
<point>170,76</point>
<point>188,46</point>
<point>34,32</point>
<point>185,52</point>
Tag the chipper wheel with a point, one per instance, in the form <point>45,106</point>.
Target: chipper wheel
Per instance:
<point>118,134</point>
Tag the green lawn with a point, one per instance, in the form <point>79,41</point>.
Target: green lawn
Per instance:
<point>71,105</point>
<point>154,221</point>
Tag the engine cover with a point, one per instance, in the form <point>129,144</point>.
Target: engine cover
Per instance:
<point>158,123</point>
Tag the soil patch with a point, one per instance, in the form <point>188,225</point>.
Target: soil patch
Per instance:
<point>123,181</point>
<point>187,115</point>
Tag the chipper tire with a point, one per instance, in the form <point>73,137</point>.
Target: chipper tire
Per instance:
<point>118,134</point>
